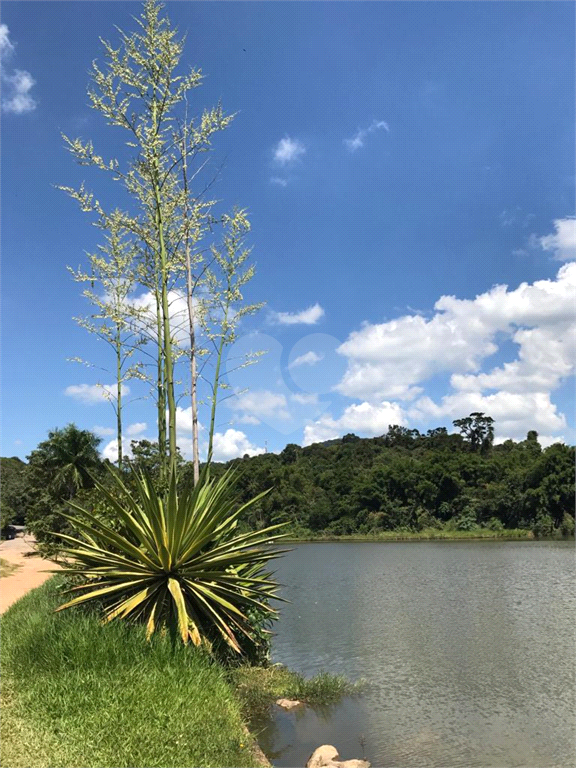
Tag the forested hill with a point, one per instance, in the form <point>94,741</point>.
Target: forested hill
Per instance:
<point>402,481</point>
<point>405,480</point>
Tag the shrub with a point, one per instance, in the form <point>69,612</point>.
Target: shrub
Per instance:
<point>567,525</point>
<point>175,561</point>
<point>466,522</point>
<point>427,520</point>
<point>342,527</point>
<point>543,525</point>
<point>463,522</point>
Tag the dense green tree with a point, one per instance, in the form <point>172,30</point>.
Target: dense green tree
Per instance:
<point>552,476</point>
<point>401,436</point>
<point>146,457</point>
<point>15,497</point>
<point>478,430</point>
<point>290,454</point>
<point>66,460</point>
<point>58,469</point>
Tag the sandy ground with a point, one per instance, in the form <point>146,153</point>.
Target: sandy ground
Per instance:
<point>30,574</point>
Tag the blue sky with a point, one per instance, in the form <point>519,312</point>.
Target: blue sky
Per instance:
<point>402,162</point>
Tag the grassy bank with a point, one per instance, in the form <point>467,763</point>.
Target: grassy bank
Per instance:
<point>259,687</point>
<point>427,534</point>
<point>78,694</point>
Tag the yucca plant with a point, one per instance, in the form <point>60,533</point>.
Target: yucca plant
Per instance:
<point>176,561</point>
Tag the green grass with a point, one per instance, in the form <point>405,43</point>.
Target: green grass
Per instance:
<point>7,568</point>
<point>427,534</point>
<point>82,695</point>
<point>259,687</point>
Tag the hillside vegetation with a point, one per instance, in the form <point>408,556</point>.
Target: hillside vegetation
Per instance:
<point>406,481</point>
<point>403,483</point>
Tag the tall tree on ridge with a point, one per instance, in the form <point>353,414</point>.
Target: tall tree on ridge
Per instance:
<point>478,429</point>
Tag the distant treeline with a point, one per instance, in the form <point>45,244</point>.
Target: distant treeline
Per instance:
<point>409,481</point>
<point>403,481</point>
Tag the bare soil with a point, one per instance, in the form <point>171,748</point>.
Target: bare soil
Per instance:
<point>30,573</point>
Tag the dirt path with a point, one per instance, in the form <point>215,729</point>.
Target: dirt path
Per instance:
<point>29,574</point>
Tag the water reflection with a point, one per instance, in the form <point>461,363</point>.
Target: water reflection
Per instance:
<point>468,647</point>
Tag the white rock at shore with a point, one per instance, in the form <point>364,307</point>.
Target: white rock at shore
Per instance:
<point>327,756</point>
<point>322,756</point>
<point>289,703</point>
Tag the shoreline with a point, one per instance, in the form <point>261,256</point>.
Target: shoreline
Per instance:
<point>512,535</point>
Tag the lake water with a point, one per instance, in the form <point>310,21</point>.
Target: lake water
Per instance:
<point>468,649</point>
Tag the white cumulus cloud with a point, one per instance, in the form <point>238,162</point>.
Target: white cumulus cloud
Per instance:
<point>110,450</point>
<point>103,431</point>
<point>247,419</point>
<point>308,316</point>
<point>308,358</point>
<point>391,359</point>
<point>545,358</point>
<point>288,150</point>
<point>259,404</point>
<point>184,420</point>
<point>304,398</point>
<point>357,141</point>
<point>394,360</point>
<point>145,304</point>
<point>227,445</point>
<point>136,429</point>
<point>562,242</point>
<point>19,99</point>
<point>365,419</point>
<point>17,83</point>
<point>93,394</point>
<point>514,413</point>
<point>232,444</point>
<point>6,46</point>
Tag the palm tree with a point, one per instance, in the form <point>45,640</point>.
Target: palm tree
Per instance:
<point>69,456</point>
